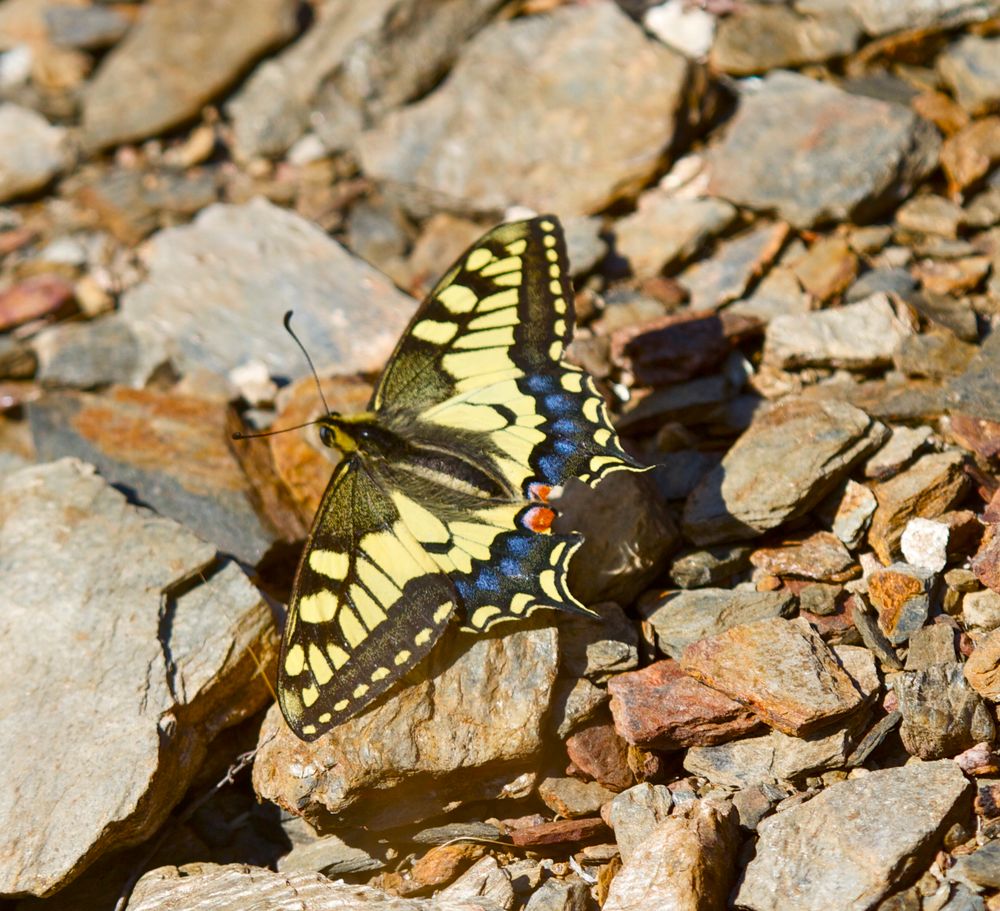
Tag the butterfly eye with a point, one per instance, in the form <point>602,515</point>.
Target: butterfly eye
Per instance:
<point>326,436</point>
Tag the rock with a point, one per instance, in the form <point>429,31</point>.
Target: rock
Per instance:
<point>627,531</point>
<point>217,290</point>
<point>785,463</point>
<point>442,864</point>
<point>702,568</point>
<point>794,147</point>
<point>929,488</point>
<point>578,60</point>
<point>351,67</point>
<point>986,563</point>
<point>34,298</point>
<point>779,668</point>
<point>778,293</point>
<point>661,708</point>
<point>680,618</point>
<point>484,882</point>
<point>975,392</point>
<point>900,448</point>
<point>955,276</point>
<point>881,281</point>
<point>971,153</point>
<point>561,832</point>
<point>938,355</point>
<point>902,596</point>
<point>850,509</point>
<point>597,648</point>
<point>88,28</point>
<point>32,151</point>
<point>695,401</point>
<point>980,869</point>
<point>147,656</point>
<point>237,887</point>
<point>428,745</point>
<point>688,862</point>
<point>666,230</point>
<point>971,69</point>
<point>820,599</point>
<point>857,336</point>
<point>884,16</point>
<point>726,274</point>
<point>976,434</point>
<point>820,556</point>
<point>689,30</point>
<point>759,38</point>
<point>827,269</point>
<point>925,544</point>
<point>599,753</point>
<point>982,669</point>
<point>866,621</point>
<point>981,609</point>
<point>558,895</point>
<point>942,714</point>
<point>575,701</point>
<point>931,645</point>
<point>929,213</point>
<point>85,355</point>
<point>572,798</point>
<point>329,855</point>
<point>635,813</point>
<point>169,450</point>
<point>894,818</point>
<point>178,57</point>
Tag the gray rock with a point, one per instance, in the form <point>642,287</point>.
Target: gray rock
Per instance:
<point>981,609</point>
<point>777,294</point>
<point>703,568</point>
<point>902,595</point>
<point>977,391</point>
<point>89,28</point>
<point>573,65</point>
<point>880,17</point>
<point>123,634</point>
<point>931,645</point>
<point>859,336</point>
<point>791,457</point>
<point>665,230</point>
<point>936,355</point>
<point>688,861</point>
<point>903,444</point>
<point>329,855</point>
<point>217,290</point>
<point>434,742</point>
<point>178,57</point>
<point>32,151</point>
<point>980,869</point>
<point>356,62</point>
<point>971,69</point>
<point>635,813</point>
<point>849,510</point>
<point>814,153</point>
<point>929,213</point>
<point>894,818</point>
<point>761,37</point>
<point>237,887</point>
<point>560,895</point>
<point>597,648</point>
<point>85,355</point>
<point>880,281</point>
<point>572,798</point>
<point>680,471</point>
<point>942,714</point>
<point>680,618</point>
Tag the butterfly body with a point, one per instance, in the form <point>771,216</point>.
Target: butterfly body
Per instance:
<point>439,510</point>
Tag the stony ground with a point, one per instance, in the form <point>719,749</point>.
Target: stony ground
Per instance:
<point>784,222</point>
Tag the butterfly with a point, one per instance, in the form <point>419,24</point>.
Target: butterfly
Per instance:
<point>439,510</point>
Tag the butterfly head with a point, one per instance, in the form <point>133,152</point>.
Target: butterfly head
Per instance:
<point>348,433</point>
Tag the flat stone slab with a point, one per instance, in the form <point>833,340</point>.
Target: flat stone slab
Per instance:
<point>789,458</point>
<point>178,57</point>
<point>573,66</point>
<point>814,153</point>
<point>438,741</point>
<point>779,668</point>
<point>126,639</point>
<point>846,846</point>
<point>218,288</point>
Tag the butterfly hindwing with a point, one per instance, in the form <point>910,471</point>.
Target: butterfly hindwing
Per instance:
<point>367,605</point>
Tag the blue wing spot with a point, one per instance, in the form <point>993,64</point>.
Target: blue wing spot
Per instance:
<point>558,403</point>
<point>488,580</point>
<point>464,587</point>
<point>510,567</point>
<point>538,382</point>
<point>564,447</point>
<point>519,545</point>
<point>565,426</point>
<point>552,467</point>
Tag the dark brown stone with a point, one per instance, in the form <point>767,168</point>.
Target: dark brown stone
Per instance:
<point>986,563</point>
<point>599,753</point>
<point>560,832</point>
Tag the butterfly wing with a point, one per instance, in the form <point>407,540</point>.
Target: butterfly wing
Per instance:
<point>368,603</point>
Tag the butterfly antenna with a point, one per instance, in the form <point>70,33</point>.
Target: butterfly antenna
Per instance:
<point>269,433</point>
<point>288,328</point>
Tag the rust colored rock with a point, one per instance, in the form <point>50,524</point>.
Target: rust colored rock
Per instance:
<point>42,295</point>
<point>820,556</point>
<point>901,594</point>
<point>982,670</point>
<point>443,863</point>
<point>827,269</point>
<point>986,563</point>
<point>928,488</point>
<point>601,754</point>
<point>955,276</point>
<point>971,152</point>
<point>976,434</point>
<point>662,708</point>
<point>781,669</point>
<point>561,832</point>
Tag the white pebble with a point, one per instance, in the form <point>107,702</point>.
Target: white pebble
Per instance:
<point>925,544</point>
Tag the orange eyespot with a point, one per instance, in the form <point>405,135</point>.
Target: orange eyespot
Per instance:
<point>540,492</point>
<point>539,519</point>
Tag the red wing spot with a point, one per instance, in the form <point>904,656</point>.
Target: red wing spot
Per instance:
<point>539,519</point>
<point>539,492</point>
